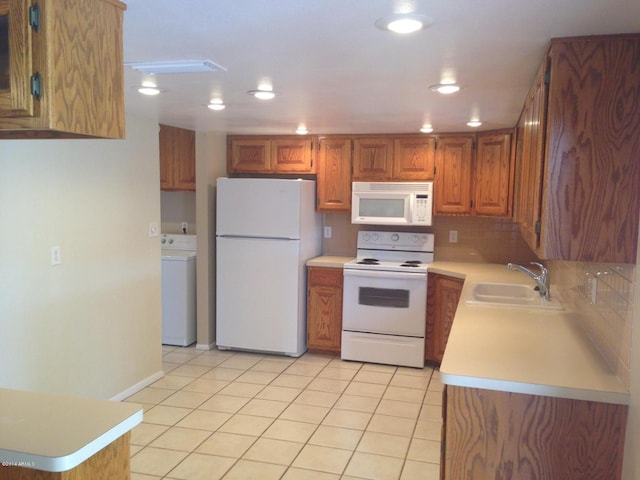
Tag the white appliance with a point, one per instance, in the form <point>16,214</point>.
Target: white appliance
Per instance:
<point>385,298</point>
<point>178,289</point>
<point>266,231</point>
<point>392,203</point>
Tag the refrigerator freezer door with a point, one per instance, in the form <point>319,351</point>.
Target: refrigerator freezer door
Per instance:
<point>259,207</point>
<point>260,295</point>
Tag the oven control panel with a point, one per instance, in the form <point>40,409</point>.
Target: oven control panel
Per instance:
<point>419,242</point>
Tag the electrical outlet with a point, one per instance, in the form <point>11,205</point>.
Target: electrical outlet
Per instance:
<point>453,236</point>
<point>327,232</point>
<point>153,229</point>
<point>56,258</point>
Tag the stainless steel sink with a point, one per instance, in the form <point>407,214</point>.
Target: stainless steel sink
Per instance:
<point>510,295</point>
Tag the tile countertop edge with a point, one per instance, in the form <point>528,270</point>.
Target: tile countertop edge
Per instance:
<point>605,387</point>
<point>330,261</point>
<point>132,415</point>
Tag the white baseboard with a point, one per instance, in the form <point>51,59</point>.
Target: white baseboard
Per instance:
<point>138,386</point>
<point>211,346</point>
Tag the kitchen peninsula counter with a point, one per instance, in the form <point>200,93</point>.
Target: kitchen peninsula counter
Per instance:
<point>42,433</point>
<point>522,350</point>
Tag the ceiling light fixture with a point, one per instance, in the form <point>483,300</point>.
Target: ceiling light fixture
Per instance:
<point>179,66</point>
<point>302,130</point>
<point>404,22</point>
<point>445,88</point>
<point>474,123</point>
<point>216,105</point>
<point>426,128</point>
<point>262,94</point>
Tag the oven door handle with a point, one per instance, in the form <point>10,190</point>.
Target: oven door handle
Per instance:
<point>383,274</point>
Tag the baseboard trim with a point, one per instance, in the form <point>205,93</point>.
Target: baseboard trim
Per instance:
<point>200,346</point>
<point>138,386</point>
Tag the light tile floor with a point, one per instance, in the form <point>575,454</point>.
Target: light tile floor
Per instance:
<point>232,415</point>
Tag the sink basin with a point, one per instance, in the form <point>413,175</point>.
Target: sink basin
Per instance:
<point>510,295</point>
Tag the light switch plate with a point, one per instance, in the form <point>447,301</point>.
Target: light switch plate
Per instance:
<point>453,236</point>
<point>153,229</point>
<point>327,232</point>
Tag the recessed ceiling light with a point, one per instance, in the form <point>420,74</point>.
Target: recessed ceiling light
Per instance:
<point>426,128</point>
<point>262,94</point>
<point>216,105</point>
<point>474,123</point>
<point>404,22</point>
<point>445,88</point>
<point>178,66</point>
<point>302,130</point>
<point>149,91</point>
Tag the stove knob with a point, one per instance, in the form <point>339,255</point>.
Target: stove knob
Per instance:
<point>395,237</point>
<point>170,241</point>
<point>375,237</point>
<point>163,241</point>
<point>366,237</point>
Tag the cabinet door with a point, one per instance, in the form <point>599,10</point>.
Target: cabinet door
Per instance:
<point>372,158</point>
<point>414,158</point>
<point>334,174</point>
<point>177,159</point>
<point>532,128</point>
<point>324,309</point>
<point>291,155</point>
<point>443,295</point>
<point>494,175</point>
<point>16,52</point>
<point>248,155</point>
<point>452,183</point>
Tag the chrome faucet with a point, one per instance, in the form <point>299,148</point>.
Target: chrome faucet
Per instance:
<point>542,280</point>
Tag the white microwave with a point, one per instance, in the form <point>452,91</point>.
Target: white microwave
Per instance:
<point>392,203</point>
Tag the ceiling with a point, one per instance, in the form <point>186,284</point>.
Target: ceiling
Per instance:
<point>335,72</point>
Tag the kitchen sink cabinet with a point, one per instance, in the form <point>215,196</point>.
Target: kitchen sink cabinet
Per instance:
<point>334,174</point>
<point>61,71</point>
<point>270,154</point>
<point>494,174</point>
<point>324,309</point>
<point>177,159</point>
<point>443,295</point>
<point>587,170</point>
<point>494,434</point>
<point>453,177</point>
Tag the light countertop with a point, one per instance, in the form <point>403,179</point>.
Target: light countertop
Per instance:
<point>55,433</point>
<point>522,350</point>
<point>331,261</point>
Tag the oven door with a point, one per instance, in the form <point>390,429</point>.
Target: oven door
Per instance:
<point>393,303</point>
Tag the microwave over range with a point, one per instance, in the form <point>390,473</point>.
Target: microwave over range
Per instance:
<point>392,203</point>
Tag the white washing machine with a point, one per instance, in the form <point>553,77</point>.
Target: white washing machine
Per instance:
<point>178,289</point>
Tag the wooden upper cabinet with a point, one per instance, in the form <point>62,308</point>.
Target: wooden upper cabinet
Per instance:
<point>589,169</point>
<point>334,174</point>
<point>494,174</point>
<point>414,158</point>
<point>372,158</point>
<point>61,77</point>
<point>177,159</point>
<point>292,155</point>
<point>16,59</point>
<point>452,183</point>
<point>270,154</point>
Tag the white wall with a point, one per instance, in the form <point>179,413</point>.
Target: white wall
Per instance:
<point>92,325</point>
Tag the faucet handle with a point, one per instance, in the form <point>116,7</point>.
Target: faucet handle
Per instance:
<point>543,269</point>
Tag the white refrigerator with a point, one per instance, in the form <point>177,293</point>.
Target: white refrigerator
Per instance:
<point>266,230</point>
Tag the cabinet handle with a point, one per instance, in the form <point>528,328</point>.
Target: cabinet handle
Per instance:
<point>36,85</point>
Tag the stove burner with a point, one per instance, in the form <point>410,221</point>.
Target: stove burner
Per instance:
<point>408,264</point>
<point>413,262</point>
<point>369,261</point>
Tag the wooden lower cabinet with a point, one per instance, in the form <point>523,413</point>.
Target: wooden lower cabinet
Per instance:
<point>443,294</point>
<point>502,435</point>
<point>324,309</point>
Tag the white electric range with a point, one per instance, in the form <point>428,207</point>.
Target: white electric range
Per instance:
<point>385,298</point>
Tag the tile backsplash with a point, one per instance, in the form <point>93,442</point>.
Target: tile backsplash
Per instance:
<point>602,297</point>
